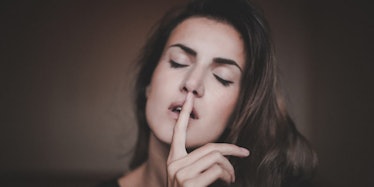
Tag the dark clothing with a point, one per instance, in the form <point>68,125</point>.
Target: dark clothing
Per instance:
<point>109,183</point>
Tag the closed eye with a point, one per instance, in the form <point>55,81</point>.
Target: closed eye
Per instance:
<point>174,64</point>
<point>223,81</point>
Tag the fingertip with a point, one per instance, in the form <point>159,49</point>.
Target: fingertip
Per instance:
<point>189,96</point>
<point>244,151</point>
<point>232,180</point>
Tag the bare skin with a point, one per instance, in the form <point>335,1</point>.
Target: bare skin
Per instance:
<point>196,83</point>
<point>152,172</point>
<point>201,167</point>
<point>204,165</point>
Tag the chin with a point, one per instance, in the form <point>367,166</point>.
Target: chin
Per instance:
<point>164,137</point>
<point>194,140</point>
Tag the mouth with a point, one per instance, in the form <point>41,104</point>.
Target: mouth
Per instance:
<point>178,108</point>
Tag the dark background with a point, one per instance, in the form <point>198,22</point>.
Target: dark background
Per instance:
<point>66,72</point>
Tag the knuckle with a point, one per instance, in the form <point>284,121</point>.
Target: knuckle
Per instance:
<point>218,170</point>
<point>172,168</point>
<point>180,176</point>
<point>211,146</point>
<point>216,156</point>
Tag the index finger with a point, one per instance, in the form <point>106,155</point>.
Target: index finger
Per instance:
<point>178,143</point>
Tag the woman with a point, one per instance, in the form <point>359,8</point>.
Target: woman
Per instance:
<point>207,94</point>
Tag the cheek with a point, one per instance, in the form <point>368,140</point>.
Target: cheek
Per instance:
<point>159,84</point>
<point>223,110</point>
<point>211,128</point>
<point>224,101</point>
<point>219,108</point>
<point>160,93</point>
<point>224,105</point>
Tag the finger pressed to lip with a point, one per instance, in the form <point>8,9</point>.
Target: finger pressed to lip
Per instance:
<point>178,145</point>
<point>186,110</point>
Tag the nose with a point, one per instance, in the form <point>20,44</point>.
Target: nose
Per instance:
<point>194,82</point>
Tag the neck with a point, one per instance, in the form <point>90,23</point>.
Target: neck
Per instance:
<point>155,167</point>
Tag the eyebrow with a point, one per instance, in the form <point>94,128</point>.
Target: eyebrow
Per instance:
<point>227,61</point>
<point>217,60</point>
<point>185,49</point>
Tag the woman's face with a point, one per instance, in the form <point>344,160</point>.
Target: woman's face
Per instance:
<point>205,57</point>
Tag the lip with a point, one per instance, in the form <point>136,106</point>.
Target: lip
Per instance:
<point>175,115</point>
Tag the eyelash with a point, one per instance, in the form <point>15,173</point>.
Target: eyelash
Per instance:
<point>224,82</point>
<point>174,64</point>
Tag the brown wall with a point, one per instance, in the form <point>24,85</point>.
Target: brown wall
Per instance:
<point>66,71</point>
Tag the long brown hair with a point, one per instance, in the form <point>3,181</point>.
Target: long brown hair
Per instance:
<point>280,155</point>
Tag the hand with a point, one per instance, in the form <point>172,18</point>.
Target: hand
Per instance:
<point>202,166</point>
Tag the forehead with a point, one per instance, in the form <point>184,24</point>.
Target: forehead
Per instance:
<point>209,37</point>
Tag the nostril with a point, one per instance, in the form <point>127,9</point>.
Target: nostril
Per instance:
<point>195,92</point>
